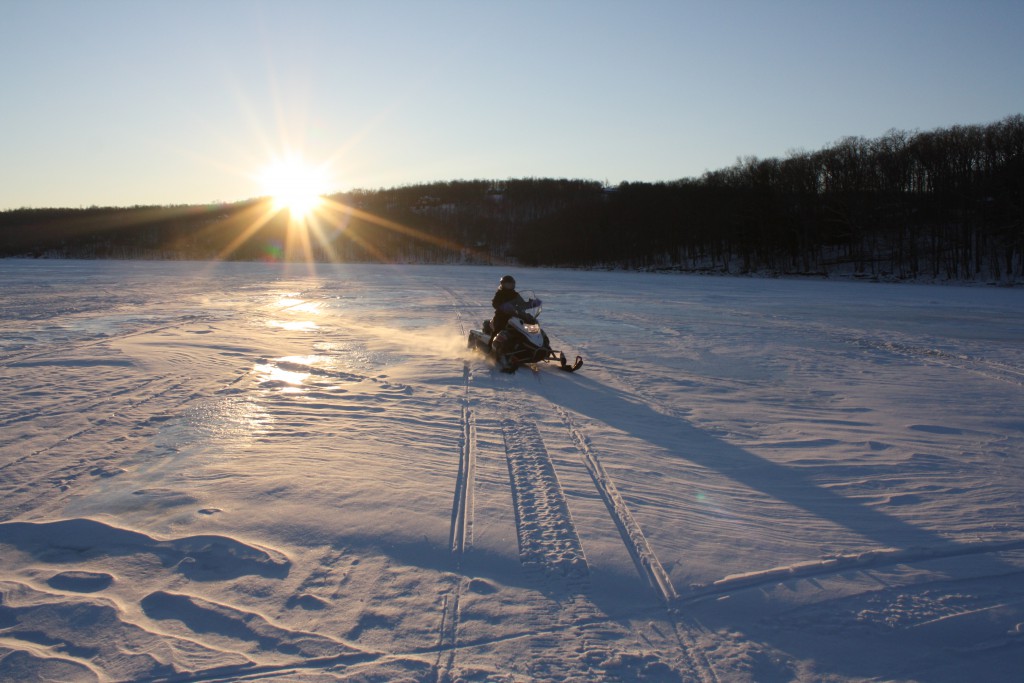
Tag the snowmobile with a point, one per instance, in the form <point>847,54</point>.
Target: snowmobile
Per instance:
<point>521,342</point>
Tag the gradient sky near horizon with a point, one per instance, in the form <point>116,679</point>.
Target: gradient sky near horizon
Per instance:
<point>126,102</point>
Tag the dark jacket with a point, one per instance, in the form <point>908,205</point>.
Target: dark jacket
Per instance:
<point>502,312</point>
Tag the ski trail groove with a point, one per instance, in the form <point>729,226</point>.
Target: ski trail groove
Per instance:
<point>461,536</point>
<point>646,561</point>
<point>447,638</point>
<point>1001,371</point>
<point>74,346</point>
<point>693,654</point>
<point>673,635</point>
<point>837,564</point>
<point>61,472</point>
<point>544,526</point>
<point>458,305</point>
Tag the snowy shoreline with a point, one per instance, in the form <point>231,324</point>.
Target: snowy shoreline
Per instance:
<point>832,276</point>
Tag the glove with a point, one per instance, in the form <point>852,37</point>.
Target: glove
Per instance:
<point>533,303</point>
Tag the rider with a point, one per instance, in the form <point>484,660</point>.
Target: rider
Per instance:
<point>505,302</point>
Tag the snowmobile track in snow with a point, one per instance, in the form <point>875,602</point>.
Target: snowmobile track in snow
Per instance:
<point>1002,372</point>
<point>646,561</point>
<point>461,536</point>
<point>447,638</point>
<point>544,525</point>
<point>125,412</point>
<point>874,559</point>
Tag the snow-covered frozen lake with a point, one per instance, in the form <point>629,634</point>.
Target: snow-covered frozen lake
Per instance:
<point>247,471</point>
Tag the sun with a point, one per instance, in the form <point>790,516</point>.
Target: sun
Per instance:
<point>295,185</point>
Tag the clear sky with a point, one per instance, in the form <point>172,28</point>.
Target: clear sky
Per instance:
<point>123,102</point>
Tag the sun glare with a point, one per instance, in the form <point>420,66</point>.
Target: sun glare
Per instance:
<point>319,227</point>
<point>295,185</point>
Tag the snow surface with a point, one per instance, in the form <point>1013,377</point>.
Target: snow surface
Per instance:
<point>248,471</point>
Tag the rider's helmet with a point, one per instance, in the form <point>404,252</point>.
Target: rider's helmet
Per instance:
<point>508,282</point>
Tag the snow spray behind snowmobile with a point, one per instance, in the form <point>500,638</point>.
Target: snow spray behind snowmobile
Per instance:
<point>521,342</point>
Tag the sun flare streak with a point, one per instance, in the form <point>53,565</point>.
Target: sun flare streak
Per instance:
<point>297,220</point>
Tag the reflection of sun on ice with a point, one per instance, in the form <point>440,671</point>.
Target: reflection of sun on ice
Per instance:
<point>290,374</point>
<point>295,185</point>
<point>289,380</point>
<point>300,308</point>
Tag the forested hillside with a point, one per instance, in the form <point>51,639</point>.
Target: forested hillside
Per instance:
<point>944,204</point>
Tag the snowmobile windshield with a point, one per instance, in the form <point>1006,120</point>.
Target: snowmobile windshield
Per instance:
<point>532,310</point>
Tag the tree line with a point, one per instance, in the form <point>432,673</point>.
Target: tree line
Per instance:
<point>942,204</point>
